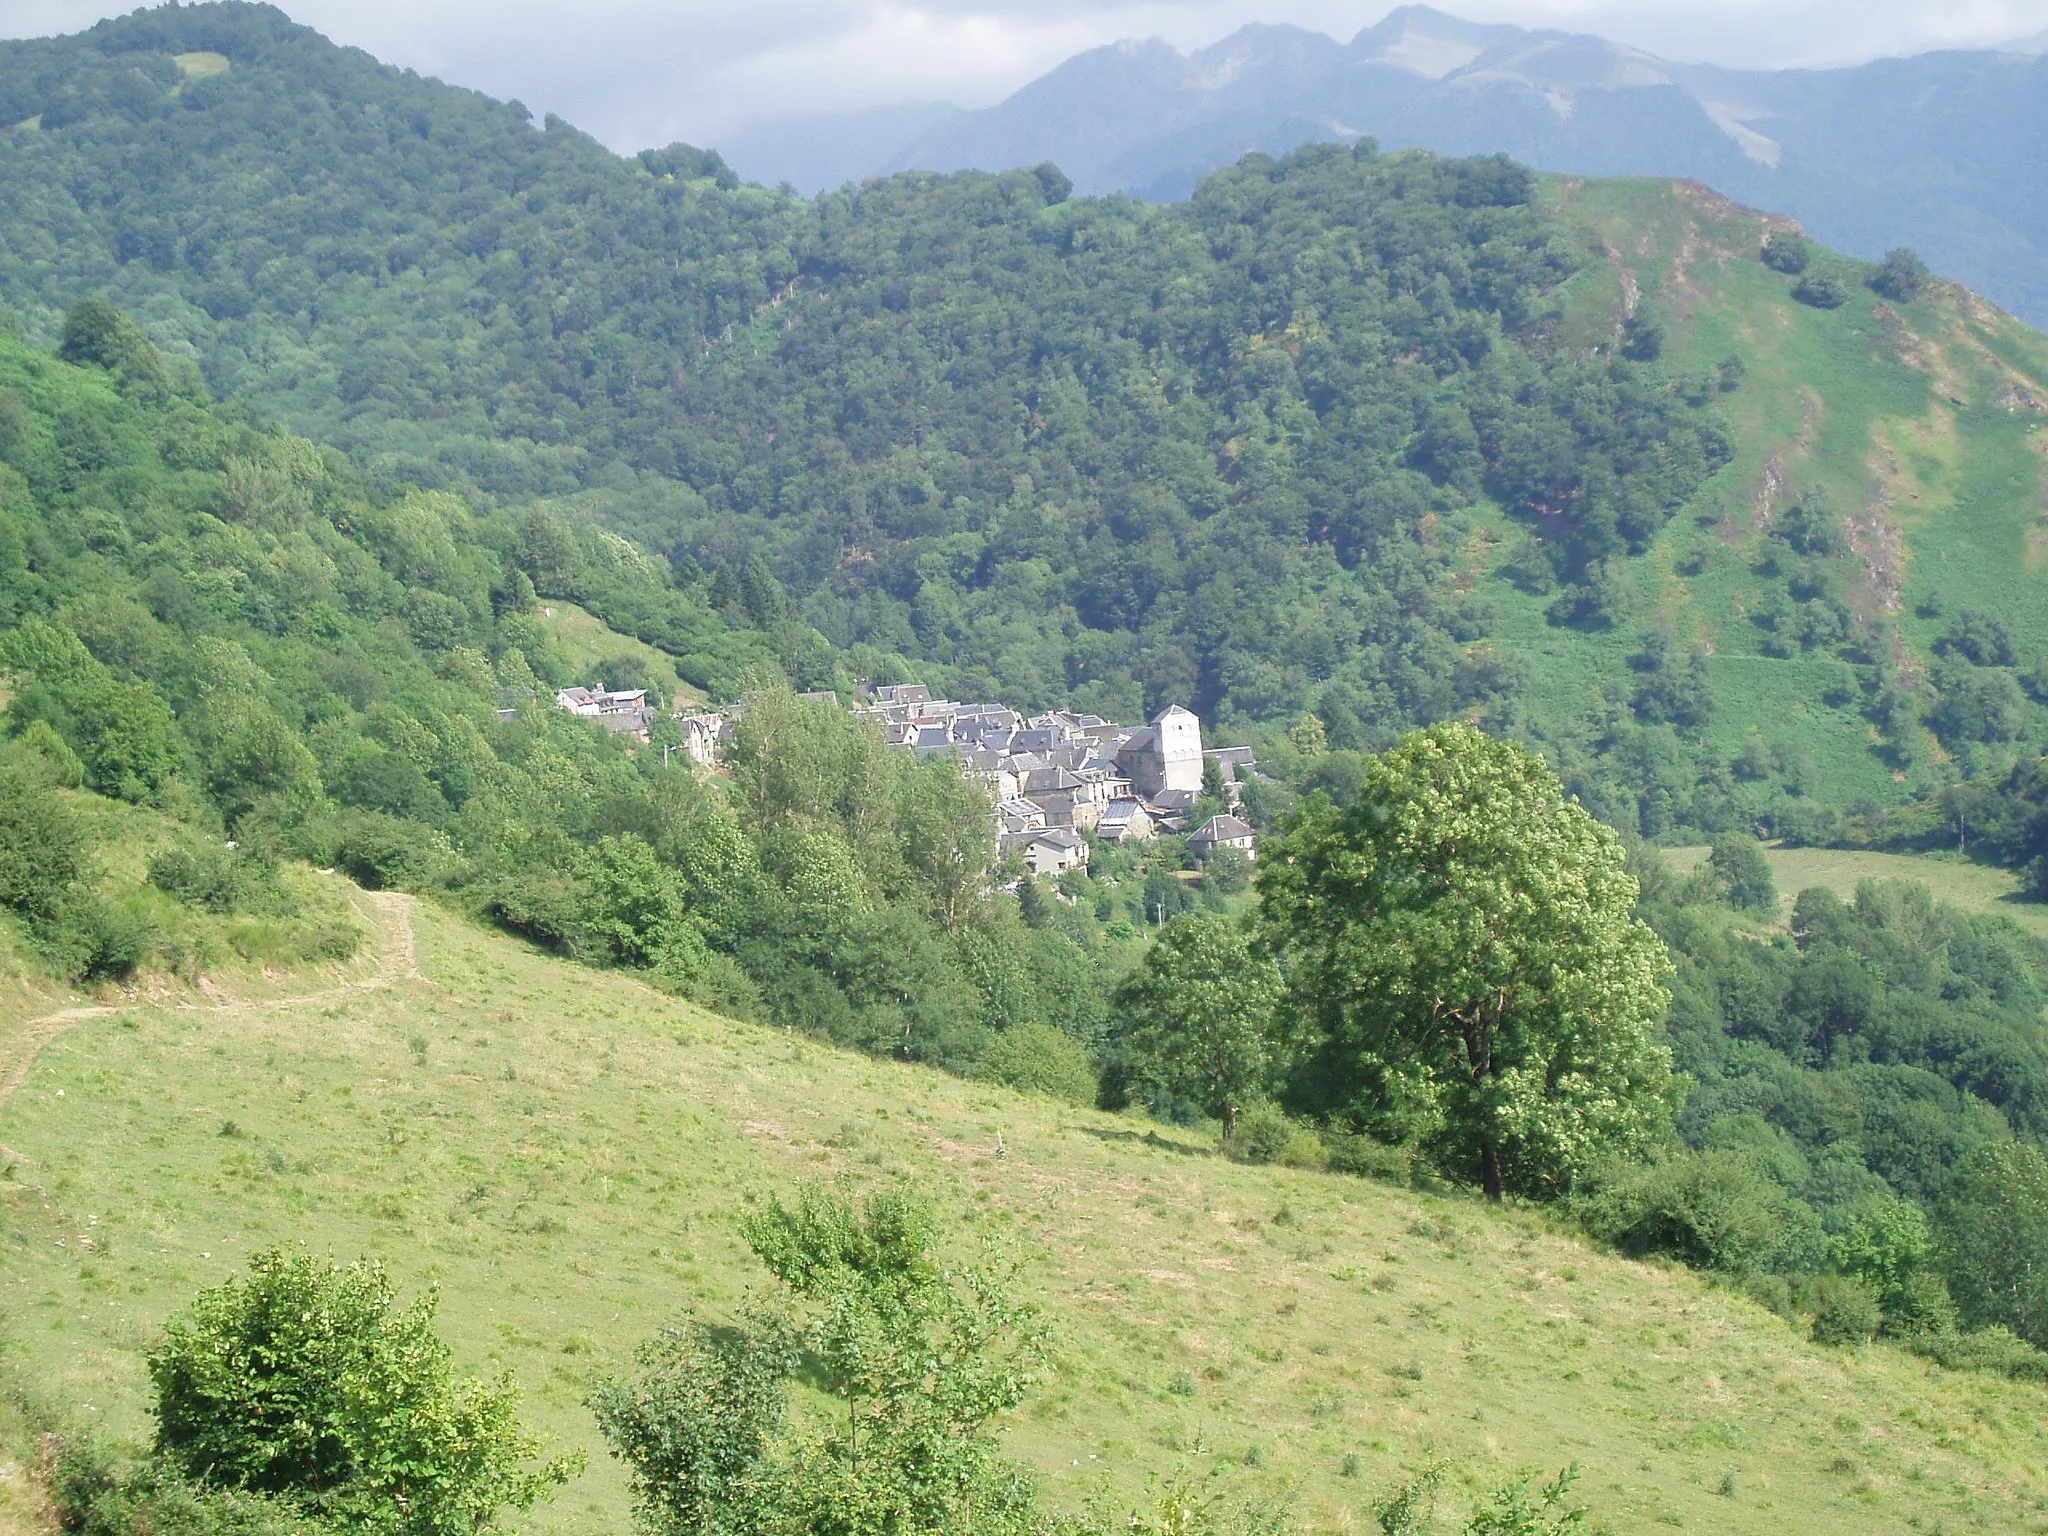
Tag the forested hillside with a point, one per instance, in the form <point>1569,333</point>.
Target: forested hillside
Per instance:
<point>1378,438</point>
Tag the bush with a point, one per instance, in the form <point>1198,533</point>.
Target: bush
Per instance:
<point>1983,1349</point>
<point>1900,277</point>
<point>95,1496</point>
<point>1263,1131</point>
<point>1367,1157</point>
<point>1845,1311</point>
<point>1037,1058</point>
<point>109,940</point>
<point>304,1380</point>
<point>220,880</point>
<point>1786,252</point>
<point>1713,1210</point>
<point>1918,1307</point>
<point>1265,1134</point>
<point>1821,290</point>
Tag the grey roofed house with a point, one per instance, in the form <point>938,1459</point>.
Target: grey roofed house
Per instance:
<point>1021,815</point>
<point>1124,821</point>
<point>1055,851</point>
<point>1240,758</point>
<point>903,693</point>
<point>1225,831</point>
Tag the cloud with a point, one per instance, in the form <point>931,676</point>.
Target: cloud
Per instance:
<point>639,72</point>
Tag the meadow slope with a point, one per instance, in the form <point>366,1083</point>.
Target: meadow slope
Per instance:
<point>1920,423</point>
<point>563,1152</point>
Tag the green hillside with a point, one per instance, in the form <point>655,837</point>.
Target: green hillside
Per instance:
<point>565,1155</point>
<point>1915,425</point>
<point>1379,437</point>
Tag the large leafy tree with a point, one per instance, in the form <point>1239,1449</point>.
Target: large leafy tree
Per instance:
<point>1992,1229</point>
<point>1465,965</point>
<point>1195,1021</point>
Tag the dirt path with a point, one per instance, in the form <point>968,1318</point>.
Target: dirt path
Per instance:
<point>390,913</point>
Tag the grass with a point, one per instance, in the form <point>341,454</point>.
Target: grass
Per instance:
<point>1972,887</point>
<point>563,1153</point>
<point>587,641</point>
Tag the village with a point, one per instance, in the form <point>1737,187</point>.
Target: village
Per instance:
<point>1056,779</point>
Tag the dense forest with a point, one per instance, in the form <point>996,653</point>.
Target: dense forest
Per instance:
<point>1071,451</point>
<point>1287,449</point>
<point>227,624</point>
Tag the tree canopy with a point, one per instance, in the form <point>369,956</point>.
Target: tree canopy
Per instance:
<point>1466,967</point>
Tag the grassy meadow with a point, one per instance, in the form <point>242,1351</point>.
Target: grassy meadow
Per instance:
<point>588,641</point>
<point>562,1152</point>
<point>1972,887</point>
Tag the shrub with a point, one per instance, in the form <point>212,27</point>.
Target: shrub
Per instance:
<point>1266,1135</point>
<point>303,1379</point>
<point>1784,251</point>
<point>1821,290</point>
<point>41,847</point>
<point>1037,1058</point>
<point>1714,1210</point>
<point>1918,1307</point>
<point>96,1496</point>
<point>1983,1349</point>
<point>1368,1157</point>
<point>1845,1311</point>
<point>1900,277</point>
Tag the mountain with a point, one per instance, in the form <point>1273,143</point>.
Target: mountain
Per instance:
<point>816,152</point>
<point>1940,152</point>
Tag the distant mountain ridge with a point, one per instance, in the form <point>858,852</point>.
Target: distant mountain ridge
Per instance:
<point>1944,152</point>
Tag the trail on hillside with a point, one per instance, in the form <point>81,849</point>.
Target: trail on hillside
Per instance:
<point>390,913</point>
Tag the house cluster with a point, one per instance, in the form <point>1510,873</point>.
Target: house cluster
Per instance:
<point>1060,776</point>
<point>626,712</point>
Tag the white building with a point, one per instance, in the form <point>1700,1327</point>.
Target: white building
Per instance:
<point>1165,755</point>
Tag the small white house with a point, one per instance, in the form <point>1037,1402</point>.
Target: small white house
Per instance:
<point>1055,851</point>
<point>700,737</point>
<point>1224,831</point>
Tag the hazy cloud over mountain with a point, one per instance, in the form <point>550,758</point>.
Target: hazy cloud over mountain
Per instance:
<point>640,72</point>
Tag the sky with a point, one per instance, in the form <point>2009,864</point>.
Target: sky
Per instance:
<point>645,72</point>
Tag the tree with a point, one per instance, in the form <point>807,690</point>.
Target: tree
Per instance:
<point>1743,874</point>
<point>1900,277</point>
<point>304,1378</point>
<point>1037,1058</point>
<point>1465,966</point>
<point>700,1424</point>
<point>42,847</point>
<point>1194,1022</point>
<point>1227,870</point>
<point>1821,290</point>
<point>1991,1231</point>
<point>916,1359</point>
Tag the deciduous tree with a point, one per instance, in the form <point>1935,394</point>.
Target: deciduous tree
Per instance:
<point>1465,965</point>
